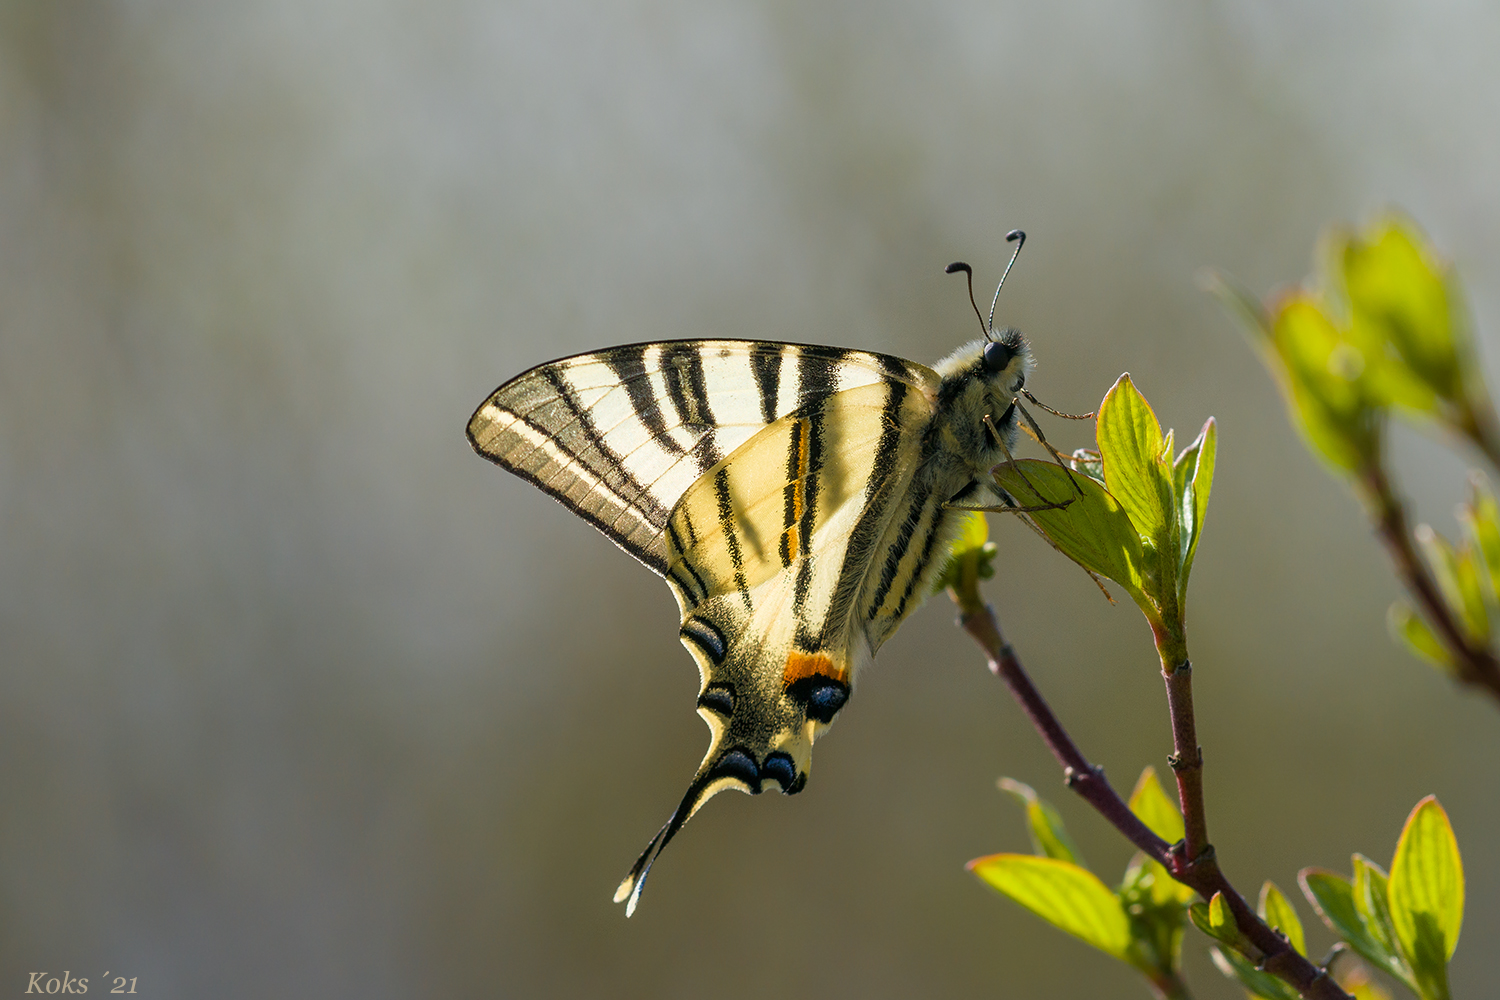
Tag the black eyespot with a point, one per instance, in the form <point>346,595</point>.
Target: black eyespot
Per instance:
<point>997,356</point>
<point>780,768</point>
<point>738,764</point>
<point>719,699</point>
<point>824,702</point>
<point>820,695</point>
<point>706,636</point>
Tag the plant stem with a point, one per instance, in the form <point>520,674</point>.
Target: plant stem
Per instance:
<point>1186,759</point>
<point>1169,986</point>
<point>1475,664</point>
<point>1480,426</point>
<point>1200,871</point>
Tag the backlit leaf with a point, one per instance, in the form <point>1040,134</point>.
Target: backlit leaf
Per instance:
<point>1277,912</point>
<point>1048,836</point>
<point>1150,802</point>
<point>1131,442</point>
<point>1093,529</point>
<point>1426,894</point>
<point>1065,895</point>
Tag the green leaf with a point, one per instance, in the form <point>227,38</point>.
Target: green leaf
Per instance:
<point>973,534</point>
<point>1157,910</point>
<point>1426,895</point>
<point>1396,287</point>
<point>1150,802</point>
<point>1370,899</point>
<point>1333,897</point>
<point>1193,473</point>
<point>1214,919</point>
<point>1356,981</point>
<point>1261,984</point>
<point>1131,445</point>
<point>1476,617</point>
<point>1482,517</point>
<point>1148,882</point>
<point>1279,914</point>
<point>1048,836</point>
<point>1320,373</point>
<point>971,551</point>
<point>1409,627</point>
<point>1093,530</point>
<point>1457,576</point>
<point>1063,894</point>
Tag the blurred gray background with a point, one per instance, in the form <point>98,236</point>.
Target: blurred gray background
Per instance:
<point>302,698</point>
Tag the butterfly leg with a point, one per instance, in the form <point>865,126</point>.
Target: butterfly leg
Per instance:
<point>1041,439</point>
<point>1012,460</point>
<point>1056,413</point>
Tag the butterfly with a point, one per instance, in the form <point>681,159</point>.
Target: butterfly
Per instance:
<point>797,500</point>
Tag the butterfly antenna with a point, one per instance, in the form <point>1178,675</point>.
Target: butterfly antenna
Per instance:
<point>954,268</point>
<point>1019,239</point>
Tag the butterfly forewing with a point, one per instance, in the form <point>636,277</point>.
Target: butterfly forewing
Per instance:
<point>618,436</point>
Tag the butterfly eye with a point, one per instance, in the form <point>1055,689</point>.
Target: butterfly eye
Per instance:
<point>997,356</point>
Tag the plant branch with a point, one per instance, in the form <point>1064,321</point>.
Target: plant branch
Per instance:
<point>1201,873</point>
<point>1479,425</point>
<point>1186,760</point>
<point>1081,776</point>
<point>1475,663</point>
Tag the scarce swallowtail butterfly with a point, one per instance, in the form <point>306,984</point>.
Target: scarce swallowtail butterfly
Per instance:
<point>797,500</point>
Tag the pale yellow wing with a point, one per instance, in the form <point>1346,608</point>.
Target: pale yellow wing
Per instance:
<point>619,435</point>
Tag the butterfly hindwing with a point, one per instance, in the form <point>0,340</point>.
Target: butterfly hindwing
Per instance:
<point>769,552</point>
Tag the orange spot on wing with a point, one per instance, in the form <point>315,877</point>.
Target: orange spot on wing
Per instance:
<point>800,665</point>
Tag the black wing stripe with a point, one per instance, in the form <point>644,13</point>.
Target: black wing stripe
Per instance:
<point>806,636</point>
<point>918,571</point>
<point>813,463</point>
<point>731,538</point>
<point>791,494</point>
<point>873,518</point>
<point>915,509</point>
<point>639,497</point>
<point>682,370</point>
<point>560,494</point>
<point>629,366</point>
<point>686,563</point>
<point>765,365</point>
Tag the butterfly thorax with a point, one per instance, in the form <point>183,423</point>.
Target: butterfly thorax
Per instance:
<point>975,401</point>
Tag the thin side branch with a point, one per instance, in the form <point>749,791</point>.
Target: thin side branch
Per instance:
<point>1199,871</point>
<point>1081,776</point>
<point>1477,664</point>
